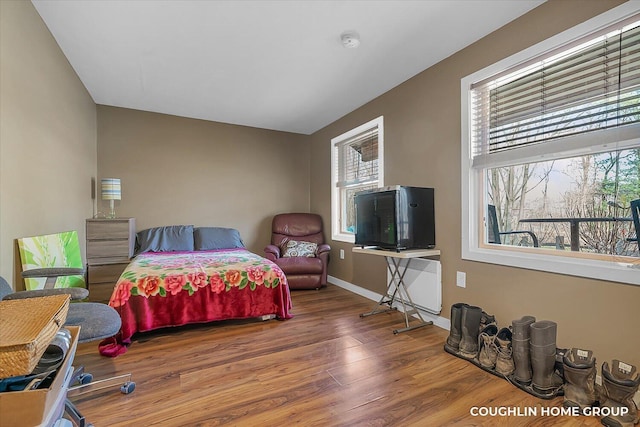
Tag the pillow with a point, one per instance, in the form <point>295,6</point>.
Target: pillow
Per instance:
<point>295,248</point>
<point>165,239</point>
<point>210,238</point>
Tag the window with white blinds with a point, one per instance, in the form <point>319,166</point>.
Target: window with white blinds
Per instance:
<point>357,157</point>
<point>551,134</point>
<point>581,95</point>
<point>356,166</point>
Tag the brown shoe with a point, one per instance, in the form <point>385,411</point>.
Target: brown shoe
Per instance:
<point>504,362</point>
<point>487,354</point>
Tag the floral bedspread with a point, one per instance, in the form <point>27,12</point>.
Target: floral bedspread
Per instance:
<point>158,290</point>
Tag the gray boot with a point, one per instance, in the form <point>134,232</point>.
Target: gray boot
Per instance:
<point>504,362</point>
<point>579,378</point>
<point>543,356</point>
<point>487,354</point>
<point>521,349</point>
<point>455,334</point>
<point>470,323</point>
<point>619,384</point>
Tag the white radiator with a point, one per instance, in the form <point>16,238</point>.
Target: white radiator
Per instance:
<point>423,281</point>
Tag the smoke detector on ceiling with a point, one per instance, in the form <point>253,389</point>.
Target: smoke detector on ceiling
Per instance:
<point>350,40</point>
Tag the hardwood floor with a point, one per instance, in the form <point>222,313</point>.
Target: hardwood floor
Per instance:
<point>325,367</point>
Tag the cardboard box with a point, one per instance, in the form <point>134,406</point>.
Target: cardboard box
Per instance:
<point>43,406</point>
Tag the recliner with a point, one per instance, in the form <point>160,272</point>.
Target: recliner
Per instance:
<point>303,272</point>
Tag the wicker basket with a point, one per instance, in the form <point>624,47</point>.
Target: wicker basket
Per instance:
<point>28,326</point>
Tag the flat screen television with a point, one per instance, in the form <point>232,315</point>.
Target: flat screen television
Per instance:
<point>396,218</point>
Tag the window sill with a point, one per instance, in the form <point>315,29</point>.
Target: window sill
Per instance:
<point>622,272</point>
<point>343,237</point>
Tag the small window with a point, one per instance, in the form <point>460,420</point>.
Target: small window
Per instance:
<point>356,165</point>
<point>551,153</point>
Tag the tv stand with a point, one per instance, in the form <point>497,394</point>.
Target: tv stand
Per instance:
<point>396,288</point>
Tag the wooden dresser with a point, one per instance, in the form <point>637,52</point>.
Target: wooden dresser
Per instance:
<point>110,245</point>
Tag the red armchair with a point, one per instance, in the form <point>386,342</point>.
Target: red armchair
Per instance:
<point>298,248</point>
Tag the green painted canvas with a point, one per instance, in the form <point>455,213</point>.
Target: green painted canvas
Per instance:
<point>52,250</point>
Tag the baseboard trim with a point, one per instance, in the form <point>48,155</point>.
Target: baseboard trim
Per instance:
<point>439,321</point>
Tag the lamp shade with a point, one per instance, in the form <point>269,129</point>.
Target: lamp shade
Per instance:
<point>111,189</point>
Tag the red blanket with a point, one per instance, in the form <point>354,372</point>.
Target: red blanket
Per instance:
<point>157,290</point>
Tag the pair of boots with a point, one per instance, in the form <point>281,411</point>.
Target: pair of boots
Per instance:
<point>534,354</point>
<point>466,323</point>
<point>455,343</point>
<point>495,349</point>
<point>620,383</point>
<point>474,334</point>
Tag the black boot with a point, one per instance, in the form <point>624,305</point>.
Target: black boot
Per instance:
<point>470,323</point>
<point>452,344</point>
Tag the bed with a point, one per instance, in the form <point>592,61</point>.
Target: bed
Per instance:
<point>183,275</point>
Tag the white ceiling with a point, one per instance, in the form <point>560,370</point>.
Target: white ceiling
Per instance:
<point>268,64</point>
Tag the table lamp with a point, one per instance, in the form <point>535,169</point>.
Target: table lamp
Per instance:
<point>111,191</point>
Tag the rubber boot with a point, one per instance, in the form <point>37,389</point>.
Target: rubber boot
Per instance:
<point>619,385</point>
<point>470,323</point>
<point>543,357</point>
<point>452,344</point>
<point>579,379</point>
<point>504,362</point>
<point>487,353</point>
<point>521,349</point>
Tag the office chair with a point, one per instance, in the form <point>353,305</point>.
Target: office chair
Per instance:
<point>97,321</point>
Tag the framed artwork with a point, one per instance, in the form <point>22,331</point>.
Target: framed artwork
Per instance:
<point>51,250</point>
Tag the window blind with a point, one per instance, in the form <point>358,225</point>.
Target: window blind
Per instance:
<point>591,86</point>
<point>357,159</point>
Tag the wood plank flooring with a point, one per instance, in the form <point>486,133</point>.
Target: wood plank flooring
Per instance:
<point>325,367</point>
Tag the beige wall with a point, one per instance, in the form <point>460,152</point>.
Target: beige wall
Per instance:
<point>175,170</point>
<point>422,148</point>
<point>47,136</point>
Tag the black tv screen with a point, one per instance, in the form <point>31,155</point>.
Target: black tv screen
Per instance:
<point>396,218</point>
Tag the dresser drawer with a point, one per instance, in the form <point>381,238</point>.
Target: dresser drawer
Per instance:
<point>100,292</point>
<point>108,248</point>
<point>109,229</point>
<point>105,273</point>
